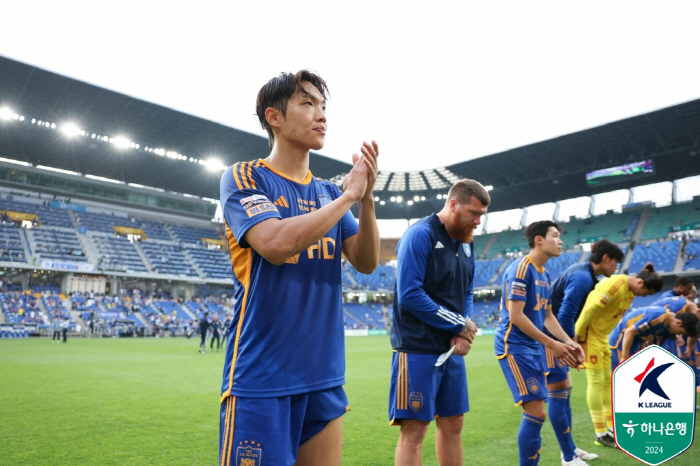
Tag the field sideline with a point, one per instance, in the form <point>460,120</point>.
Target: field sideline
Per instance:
<point>155,402</point>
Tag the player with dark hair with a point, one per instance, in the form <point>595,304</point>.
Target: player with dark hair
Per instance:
<point>525,311</point>
<point>432,311</point>
<point>214,326</point>
<point>282,397</point>
<point>684,286</point>
<point>603,310</point>
<point>569,293</point>
<point>203,329</point>
<point>643,325</point>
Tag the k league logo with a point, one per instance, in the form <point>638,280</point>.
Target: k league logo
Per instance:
<point>653,395</point>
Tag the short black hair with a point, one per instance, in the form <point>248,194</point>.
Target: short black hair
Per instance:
<point>684,281</point>
<point>652,280</point>
<point>603,247</point>
<point>539,229</point>
<point>278,90</point>
<point>689,322</point>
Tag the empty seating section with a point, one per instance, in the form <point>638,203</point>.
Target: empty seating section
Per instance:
<point>47,215</point>
<point>186,234</point>
<point>102,222</point>
<point>166,307</point>
<point>499,279</point>
<point>485,270</point>
<point>366,315</point>
<point>117,254</point>
<point>381,279</point>
<point>153,230</point>
<point>11,248</point>
<point>692,256</point>
<point>508,241</point>
<point>168,259</point>
<point>663,219</point>
<point>662,254</point>
<point>57,244</point>
<point>556,265</point>
<point>480,242</point>
<point>20,307</point>
<point>610,226</point>
<point>214,263</point>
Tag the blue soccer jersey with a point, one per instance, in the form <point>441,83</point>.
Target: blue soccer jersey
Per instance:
<point>286,336</point>
<point>523,281</point>
<point>674,304</point>
<point>649,322</point>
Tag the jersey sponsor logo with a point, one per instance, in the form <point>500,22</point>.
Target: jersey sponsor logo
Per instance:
<point>438,245</point>
<point>254,197</point>
<point>518,292</point>
<point>323,200</point>
<point>248,453</point>
<point>416,401</point>
<point>323,249</point>
<point>260,208</point>
<point>542,303</point>
<point>467,250</point>
<point>306,206</point>
<point>281,202</point>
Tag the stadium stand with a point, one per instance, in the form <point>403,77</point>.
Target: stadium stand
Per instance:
<point>662,254</point>
<point>610,226</point>
<point>117,254</point>
<point>363,315</point>
<point>381,279</point>
<point>101,222</point>
<point>485,270</point>
<point>663,219</point>
<point>20,307</point>
<point>167,259</point>
<point>692,256</point>
<point>192,235</point>
<point>508,241</point>
<point>11,246</point>
<point>153,229</point>
<point>556,265</point>
<point>44,213</point>
<point>214,263</point>
<point>486,313</point>
<point>56,244</point>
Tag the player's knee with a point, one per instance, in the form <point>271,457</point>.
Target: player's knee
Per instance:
<point>451,425</point>
<point>413,432</point>
<point>536,409</point>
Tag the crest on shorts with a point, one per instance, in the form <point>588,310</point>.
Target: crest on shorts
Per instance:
<point>248,453</point>
<point>532,385</point>
<point>416,401</point>
<point>594,359</point>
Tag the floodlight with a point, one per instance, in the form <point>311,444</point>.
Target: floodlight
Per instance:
<point>382,202</point>
<point>121,142</point>
<point>70,130</point>
<point>5,113</point>
<point>393,199</point>
<point>409,202</point>
<point>416,198</point>
<point>439,196</point>
<point>488,188</point>
<point>214,165</point>
<point>399,199</point>
<point>422,198</point>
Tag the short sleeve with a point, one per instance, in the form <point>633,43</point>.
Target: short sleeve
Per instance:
<point>244,202</point>
<point>517,287</point>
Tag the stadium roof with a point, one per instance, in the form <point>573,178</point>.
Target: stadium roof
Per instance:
<point>174,151</point>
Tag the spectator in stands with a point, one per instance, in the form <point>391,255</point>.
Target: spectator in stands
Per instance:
<point>215,335</point>
<point>433,304</point>
<point>56,327</point>
<point>684,286</point>
<point>203,328</point>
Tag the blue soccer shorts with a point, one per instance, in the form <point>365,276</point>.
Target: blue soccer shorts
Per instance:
<point>421,391</point>
<point>553,369</point>
<point>525,377</point>
<point>269,431</point>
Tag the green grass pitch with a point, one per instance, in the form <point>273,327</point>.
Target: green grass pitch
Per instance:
<point>156,402</point>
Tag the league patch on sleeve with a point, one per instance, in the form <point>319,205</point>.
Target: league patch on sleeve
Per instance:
<point>644,327</point>
<point>260,208</point>
<point>522,285</point>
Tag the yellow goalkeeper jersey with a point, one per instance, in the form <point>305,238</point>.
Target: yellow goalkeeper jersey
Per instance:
<point>604,308</point>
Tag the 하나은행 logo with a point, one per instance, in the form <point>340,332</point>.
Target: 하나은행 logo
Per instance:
<point>653,395</point>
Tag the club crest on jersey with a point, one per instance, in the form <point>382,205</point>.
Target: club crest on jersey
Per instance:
<point>323,200</point>
<point>467,249</point>
<point>532,385</point>
<point>416,401</point>
<point>594,358</point>
<point>248,453</point>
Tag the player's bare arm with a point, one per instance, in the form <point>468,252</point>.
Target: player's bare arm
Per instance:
<point>279,239</point>
<point>627,341</point>
<point>362,249</point>
<point>517,316</point>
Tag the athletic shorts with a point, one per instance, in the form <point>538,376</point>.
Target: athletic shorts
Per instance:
<point>553,369</point>
<point>422,391</point>
<point>597,354</point>
<point>269,431</point>
<point>670,345</point>
<point>525,377</point>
